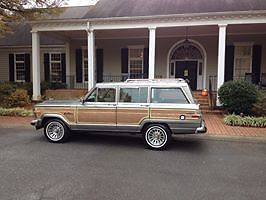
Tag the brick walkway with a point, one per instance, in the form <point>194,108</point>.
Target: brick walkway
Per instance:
<point>216,126</point>
<point>214,123</point>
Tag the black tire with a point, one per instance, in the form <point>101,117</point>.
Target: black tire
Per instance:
<point>56,131</point>
<point>157,136</point>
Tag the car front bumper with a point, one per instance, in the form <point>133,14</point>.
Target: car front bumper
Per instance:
<point>37,123</point>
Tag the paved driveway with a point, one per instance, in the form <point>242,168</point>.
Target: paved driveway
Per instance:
<point>119,168</point>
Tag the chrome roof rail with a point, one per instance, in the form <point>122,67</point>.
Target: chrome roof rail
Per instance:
<point>155,80</point>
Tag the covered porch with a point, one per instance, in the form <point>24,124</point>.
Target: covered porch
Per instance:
<point>204,53</point>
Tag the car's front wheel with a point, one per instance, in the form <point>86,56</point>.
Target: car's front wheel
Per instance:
<point>56,131</point>
<point>157,136</point>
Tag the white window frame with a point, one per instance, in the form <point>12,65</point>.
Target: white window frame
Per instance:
<point>134,47</point>
<point>84,52</point>
<point>15,70</point>
<point>50,64</point>
<point>243,44</point>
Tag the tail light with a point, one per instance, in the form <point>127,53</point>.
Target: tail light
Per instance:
<point>196,116</point>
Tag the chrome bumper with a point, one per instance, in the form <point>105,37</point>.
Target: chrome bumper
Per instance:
<point>202,128</point>
<point>37,123</point>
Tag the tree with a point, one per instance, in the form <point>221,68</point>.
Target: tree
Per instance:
<point>15,11</point>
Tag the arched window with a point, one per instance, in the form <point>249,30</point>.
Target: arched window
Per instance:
<point>186,52</point>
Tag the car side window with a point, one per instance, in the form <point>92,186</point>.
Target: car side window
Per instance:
<point>133,95</point>
<point>106,95</point>
<point>168,95</point>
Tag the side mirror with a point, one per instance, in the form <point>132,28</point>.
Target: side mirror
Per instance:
<point>82,100</point>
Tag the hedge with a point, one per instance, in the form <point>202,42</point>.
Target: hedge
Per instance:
<point>246,121</point>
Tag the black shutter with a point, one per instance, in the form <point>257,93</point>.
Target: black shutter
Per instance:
<point>27,67</point>
<point>63,65</point>
<point>46,66</point>
<point>256,63</point>
<point>11,68</point>
<point>229,63</point>
<point>79,65</point>
<point>99,65</point>
<point>124,60</point>
<point>146,63</point>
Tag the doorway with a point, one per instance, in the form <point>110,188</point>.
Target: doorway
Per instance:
<point>188,71</point>
<point>187,60</point>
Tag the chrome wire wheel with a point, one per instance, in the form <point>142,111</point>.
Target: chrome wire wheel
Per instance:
<point>156,137</point>
<point>55,131</point>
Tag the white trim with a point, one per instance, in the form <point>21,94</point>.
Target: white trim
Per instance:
<point>192,19</point>
<point>240,13</point>
<point>50,65</point>
<point>138,47</point>
<point>15,68</point>
<point>204,60</point>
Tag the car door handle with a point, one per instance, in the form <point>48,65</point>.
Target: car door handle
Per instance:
<point>144,105</point>
<point>111,104</point>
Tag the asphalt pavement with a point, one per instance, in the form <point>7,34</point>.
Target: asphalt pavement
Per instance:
<point>99,167</point>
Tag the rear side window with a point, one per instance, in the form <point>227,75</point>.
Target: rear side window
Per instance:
<point>168,95</point>
<point>133,95</point>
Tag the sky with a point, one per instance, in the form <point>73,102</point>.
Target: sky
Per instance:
<point>80,2</point>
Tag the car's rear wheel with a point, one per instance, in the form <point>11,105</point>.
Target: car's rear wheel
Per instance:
<point>56,131</point>
<point>157,136</point>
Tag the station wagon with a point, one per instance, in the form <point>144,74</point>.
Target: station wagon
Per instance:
<point>155,108</point>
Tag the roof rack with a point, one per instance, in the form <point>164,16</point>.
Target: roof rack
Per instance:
<point>155,80</point>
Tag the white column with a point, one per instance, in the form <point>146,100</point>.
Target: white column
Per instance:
<point>152,40</point>
<point>91,70</point>
<point>36,66</point>
<point>221,58</point>
<point>68,79</point>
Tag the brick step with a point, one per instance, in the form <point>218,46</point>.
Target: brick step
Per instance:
<point>203,101</point>
<point>204,107</point>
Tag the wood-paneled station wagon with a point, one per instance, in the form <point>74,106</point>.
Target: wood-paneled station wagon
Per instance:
<point>154,108</point>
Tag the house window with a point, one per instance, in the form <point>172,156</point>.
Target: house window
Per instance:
<point>19,67</point>
<point>136,62</point>
<point>243,61</point>
<point>55,67</point>
<point>85,65</point>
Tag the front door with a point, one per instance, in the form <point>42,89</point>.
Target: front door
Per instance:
<point>99,109</point>
<point>188,71</point>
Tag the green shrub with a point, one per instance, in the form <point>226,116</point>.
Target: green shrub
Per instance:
<point>15,112</point>
<point>247,121</point>
<point>19,98</point>
<point>238,96</point>
<point>6,90</point>
<point>26,86</point>
<point>259,108</point>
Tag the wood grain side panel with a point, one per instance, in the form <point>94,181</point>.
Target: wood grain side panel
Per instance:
<point>97,116</point>
<point>131,116</point>
<point>170,113</point>
<point>67,113</point>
